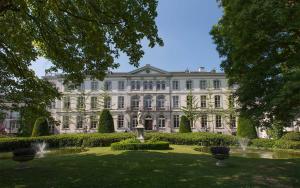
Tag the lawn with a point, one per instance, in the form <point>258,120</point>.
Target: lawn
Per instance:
<point>180,167</point>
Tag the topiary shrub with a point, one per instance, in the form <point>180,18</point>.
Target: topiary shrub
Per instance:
<point>184,126</point>
<point>246,129</point>
<point>41,127</point>
<point>106,123</point>
<point>294,136</point>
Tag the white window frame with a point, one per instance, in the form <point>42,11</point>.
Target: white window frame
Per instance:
<point>203,101</point>
<point>120,121</point>
<point>93,122</point>
<point>121,85</point>
<point>176,121</point>
<point>189,84</point>
<point>218,121</point>
<point>175,85</point>
<point>161,121</point>
<point>94,102</point>
<point>203,84</point>
<point>175,101</point>
<point>121,100</point>
<point>217,101</point>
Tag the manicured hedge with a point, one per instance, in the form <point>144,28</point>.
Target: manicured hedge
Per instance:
<point>196,138</point>
<point>286,144</point>
<point>294,136</point>
<point>262,143</point>
<point>134,144</point>
<point>64,140</point>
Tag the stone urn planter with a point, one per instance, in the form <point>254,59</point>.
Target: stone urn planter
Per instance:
<point>220,153</point>
<point>23,155</point>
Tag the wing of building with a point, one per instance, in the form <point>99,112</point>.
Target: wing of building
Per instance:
<point>158,94</point>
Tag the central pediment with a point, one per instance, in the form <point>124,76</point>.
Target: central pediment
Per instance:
<point>148,69</point>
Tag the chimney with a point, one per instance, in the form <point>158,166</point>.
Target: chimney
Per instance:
<point>201,69</point>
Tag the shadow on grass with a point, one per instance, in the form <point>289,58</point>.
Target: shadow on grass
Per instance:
<point>150,169</point>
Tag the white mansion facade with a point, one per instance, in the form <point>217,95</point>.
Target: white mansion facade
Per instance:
<point>158,94</point>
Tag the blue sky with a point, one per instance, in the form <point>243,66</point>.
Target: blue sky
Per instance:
<point>184,26</point>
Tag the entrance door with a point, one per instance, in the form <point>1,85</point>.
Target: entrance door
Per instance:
<point>148,124</point>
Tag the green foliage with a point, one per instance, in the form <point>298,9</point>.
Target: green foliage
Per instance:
<point>293,136</point>
<point>106,123</point>
<point>134,144</point>
<point>41,127</point>
<point>90,33</point>
<point>276,130</point>
<point>191,110</point>
<point>286,144</point>
<point>262,143</point>
<point>246,128</point>
<point>64,140</point>
<point>260,46</point>
<point>184,126</point>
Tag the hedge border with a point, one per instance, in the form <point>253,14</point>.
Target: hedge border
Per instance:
<point>158,145</point>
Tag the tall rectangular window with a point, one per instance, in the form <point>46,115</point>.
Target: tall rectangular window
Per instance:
<point>120,121</point>
<point>80,102</point>
<point>218,121</point>
<point>134,121</point>
<point>204,121</point>
<point>52,105</point>
<point>94,85</point>
<point>176,121</point>
<point>94,103</point>
<point>217,101</point>
<point>160,85</point>
<point>120,102</point>
<point>79,122</point>
<point>175,85</point>
<point>93,121</point>
<point>175,100</point>
<point>65,122</point>
<point>121,85</point>
<point>148,85</point>
<point>217,84</point>
<point>189,84</point>
<point>203,84</point>
<point>203,101</point>
<point>107,102</point>
<point>66,102</point>
<point>232,121</point>
<point>135,85</point>
<point>107,85</point>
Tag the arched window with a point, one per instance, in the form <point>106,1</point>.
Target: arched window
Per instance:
<point>135,101</point>
<point>160,101</point>
<point>148,102</point>
<point>161,121</point>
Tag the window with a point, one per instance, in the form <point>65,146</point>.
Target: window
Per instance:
<point>176,121</point>
<point>121,85</point>
<point>217,101</point>
<point>134,121</point>
<point>135,101</point>
<point>204,121</point>
<point>160,85</point>
<point>107,102</point>
<point>203,84</point>
<point>148,85</point>
<point>65,122</point>
<point>175,101</point>
<point>94,103</point>
<point>93,120</point>
<point>120,102</point>
<point>107,85</point>
<point>232,121</point>
<point>79,122</point>
<point>81,87</point>
<point>120,121</point>
<point>217,84</point>
<point>203,101</point>
<point>161,121</point>
<point>66,102</point>
<point>135,85</point>
<point>230,101</point>
<point>218,121</point>
<point>160,101</point>
<point>148,102</point>
<point>52,105</point>
<point>175,85</point>
<point>94,85</point>
<point>189,84</point>
<point>80,102</point>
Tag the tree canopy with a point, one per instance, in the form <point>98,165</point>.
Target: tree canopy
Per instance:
<point>259,43</point>
<point>79,38</point>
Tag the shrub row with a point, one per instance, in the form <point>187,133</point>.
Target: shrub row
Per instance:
<point>198,138</point>
<point>277,144</point>
<point>64,140</point>
<point>148,145</point>
<point>294,136</point>
<point>262,142</point>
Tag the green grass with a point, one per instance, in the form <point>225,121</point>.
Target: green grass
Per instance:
<point>180,167</point>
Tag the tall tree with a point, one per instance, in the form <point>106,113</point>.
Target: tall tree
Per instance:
<point>79,37</point>
<point>192,109</point>
<point>259,42</point>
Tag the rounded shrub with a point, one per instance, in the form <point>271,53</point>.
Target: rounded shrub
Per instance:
<point>294,136</point>
<point>106,123</point>
<point>184,126</point>
<point>246,129</point>
<point>40,128</point>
